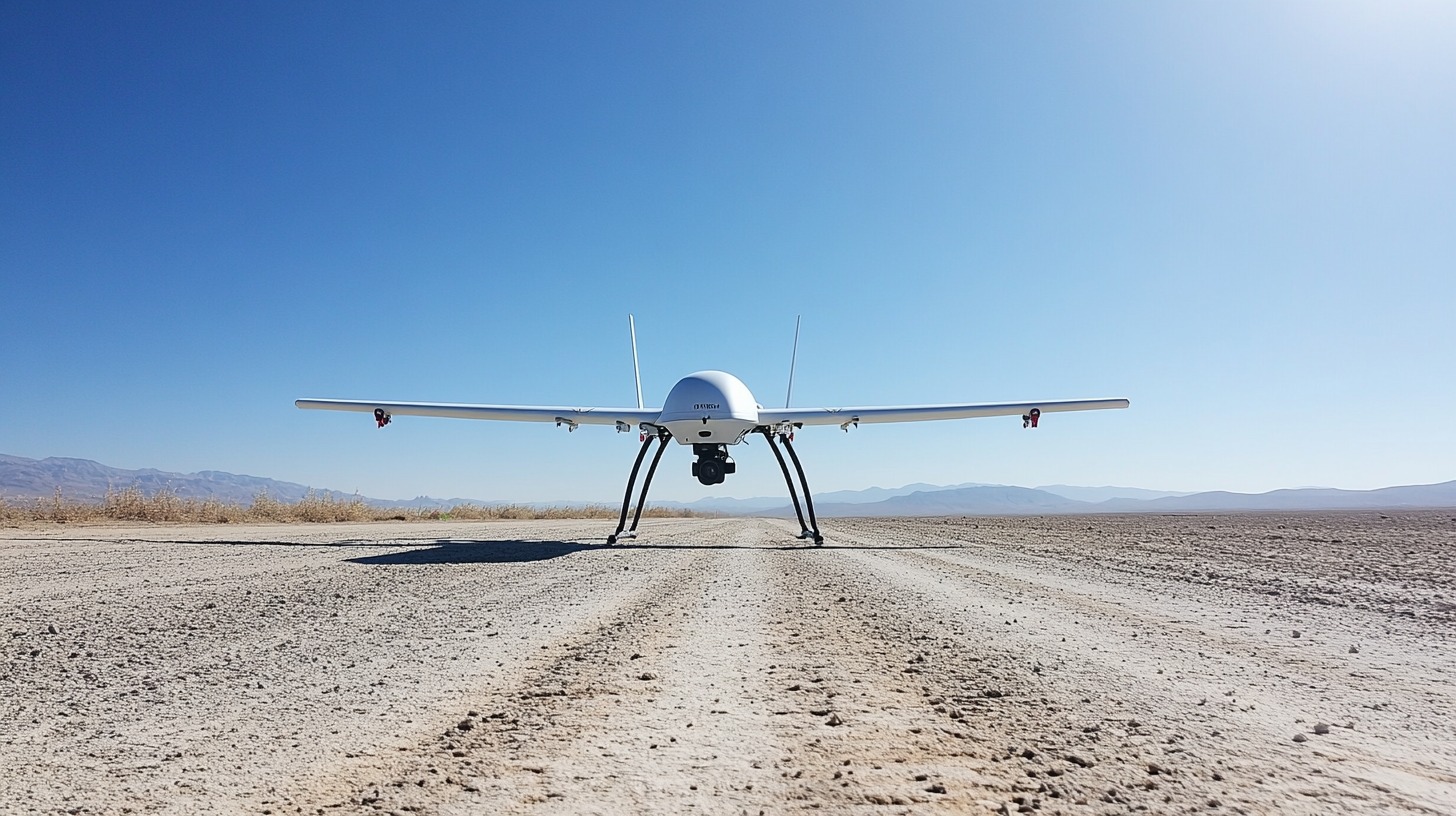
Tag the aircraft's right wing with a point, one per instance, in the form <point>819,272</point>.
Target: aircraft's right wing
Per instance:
<point>918,413</point>
<point>561,415</point>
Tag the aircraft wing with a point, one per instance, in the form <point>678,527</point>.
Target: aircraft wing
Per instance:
<point>508,413</point>
<point>919,413</point>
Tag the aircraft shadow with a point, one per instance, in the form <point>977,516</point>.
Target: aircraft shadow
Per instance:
<point>478,552</point>
<point>350,543</point>
<point>795,546</point>
<point>431,550</point>
<point>502,552</point>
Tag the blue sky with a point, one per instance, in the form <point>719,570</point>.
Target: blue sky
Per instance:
<point>1241,216</point>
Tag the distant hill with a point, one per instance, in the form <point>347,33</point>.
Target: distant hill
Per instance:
<point>1001,500</point>
<point>979,500</point>
<point>1097,494</point>
<point>1309,498</point>
<point>83,479</point>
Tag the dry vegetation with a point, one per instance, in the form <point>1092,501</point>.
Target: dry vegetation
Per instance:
<point>132,504</point>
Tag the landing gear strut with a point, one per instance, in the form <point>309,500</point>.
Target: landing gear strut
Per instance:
<point>661,436</point>
<point>806,531</point>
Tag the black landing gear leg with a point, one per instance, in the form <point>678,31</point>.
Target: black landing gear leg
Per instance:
<point>810,530</point>
<point>788,480</point>
<point>662,437</point>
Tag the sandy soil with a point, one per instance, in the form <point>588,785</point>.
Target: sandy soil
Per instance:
<point>1168,664</point>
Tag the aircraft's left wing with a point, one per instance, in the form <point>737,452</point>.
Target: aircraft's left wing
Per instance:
<point>917,413</point>
<point>561,415</point>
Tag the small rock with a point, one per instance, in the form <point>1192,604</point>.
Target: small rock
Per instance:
<point>834,720</point>
<point>1297,633</point>
<point>52,630</point>
<point>1300,738</point>
<point>646,676</point>
<point>1322,728</point>
<point>936,788</point>
<point>465,724</point>
<point>635,656</point>
<point>1354,650</point>
<point>993,693</point>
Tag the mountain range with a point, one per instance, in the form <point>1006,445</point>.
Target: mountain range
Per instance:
<point>1007,500</point>
<point>83,479</point>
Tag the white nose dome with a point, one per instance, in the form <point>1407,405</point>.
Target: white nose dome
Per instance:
<point>709,406</point>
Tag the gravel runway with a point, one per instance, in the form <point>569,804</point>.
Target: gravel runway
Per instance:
<point>1275,663</point>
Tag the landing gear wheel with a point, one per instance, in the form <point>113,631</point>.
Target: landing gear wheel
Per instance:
<point>818,540</point>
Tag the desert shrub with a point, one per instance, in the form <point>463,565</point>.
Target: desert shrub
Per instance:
<point>212,511</point>
<point>60,509</point>
<point>133,504</point>
<point>469,512</point>
<point>323,507</point>
<point>267,508</point>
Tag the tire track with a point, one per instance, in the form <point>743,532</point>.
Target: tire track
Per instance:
<point>515,746</point>
<point>188,679</point>
<point>1169,739</point>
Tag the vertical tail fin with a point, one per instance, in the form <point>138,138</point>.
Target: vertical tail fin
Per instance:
<point>637,372</point>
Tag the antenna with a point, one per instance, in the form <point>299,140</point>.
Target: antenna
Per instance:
<point>792,360</point>
<point>637,372</point>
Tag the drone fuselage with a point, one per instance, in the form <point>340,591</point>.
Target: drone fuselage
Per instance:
<point>709,408</point>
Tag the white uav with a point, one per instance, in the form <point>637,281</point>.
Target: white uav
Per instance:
<point>711,410</point>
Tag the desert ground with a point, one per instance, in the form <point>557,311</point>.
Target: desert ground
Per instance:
<point>1277,663</point>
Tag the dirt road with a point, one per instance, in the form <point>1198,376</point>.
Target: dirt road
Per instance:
<point>1209,664</point>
